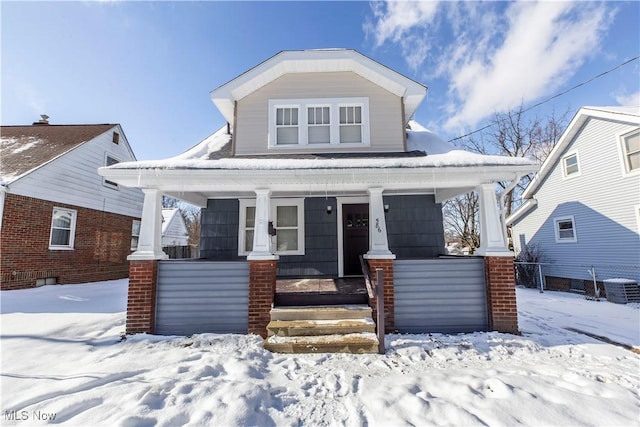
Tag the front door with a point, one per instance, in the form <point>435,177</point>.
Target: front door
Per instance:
<point>355,226</point>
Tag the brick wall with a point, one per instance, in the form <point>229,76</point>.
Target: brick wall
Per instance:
<point>102,244</point>
<point>141,300</point>
<point>262,287</point>
<point>501,294</point>
<point>389,300</point>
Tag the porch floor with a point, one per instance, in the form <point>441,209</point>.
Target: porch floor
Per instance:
<point>320,291</point>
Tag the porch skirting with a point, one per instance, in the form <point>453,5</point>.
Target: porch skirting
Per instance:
<point>448,295</point>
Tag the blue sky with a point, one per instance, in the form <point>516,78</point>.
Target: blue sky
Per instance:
<point>151,65</point>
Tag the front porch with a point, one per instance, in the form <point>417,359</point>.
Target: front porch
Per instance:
<point>320,291</point>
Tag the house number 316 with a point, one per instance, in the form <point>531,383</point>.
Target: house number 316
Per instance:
<point>378,225</point>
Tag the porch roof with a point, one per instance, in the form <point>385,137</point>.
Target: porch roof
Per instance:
<point>430,166</point>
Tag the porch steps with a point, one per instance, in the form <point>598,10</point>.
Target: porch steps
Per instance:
<point>322,329</point>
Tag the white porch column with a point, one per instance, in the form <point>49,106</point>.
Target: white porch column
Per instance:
<point>261,240</point>
<point>150,239</point>
<point>492,239</point>
<point>378,243</point>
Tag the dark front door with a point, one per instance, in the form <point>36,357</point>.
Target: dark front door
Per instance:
<point>355,226</point>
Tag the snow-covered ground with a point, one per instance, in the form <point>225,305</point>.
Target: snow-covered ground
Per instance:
<point>63,362</point>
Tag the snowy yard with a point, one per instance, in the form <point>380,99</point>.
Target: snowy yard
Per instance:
<point>63,362</point>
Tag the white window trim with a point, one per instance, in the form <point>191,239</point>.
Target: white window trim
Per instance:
<point>564,166</point>
<point>557,221</point>
<point>105,181</point>
<point>623,153</point>
<point>72,233</point>
<point>334,105</point>
<point>273,208</point>
<point>135,235</point>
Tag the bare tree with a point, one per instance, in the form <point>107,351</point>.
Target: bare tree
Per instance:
<point>169,202</point>
<point>510,134</point>
<point>514,134</point>
<point>461,220</point>
<point>191,215</point>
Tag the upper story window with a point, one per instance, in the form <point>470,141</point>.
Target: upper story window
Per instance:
<point>570,166</point>
<point>116,138</point>
<point>631,151</point>
<point>565,230</point>
<point>110,160</point>
<point>63,228</point>
<point>318,122</point>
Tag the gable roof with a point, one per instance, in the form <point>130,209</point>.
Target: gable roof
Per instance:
<point>315,61</point>
<point>168,216</point>
<point>617,113</point>
<point>624,114</point>
<point>25,148</point>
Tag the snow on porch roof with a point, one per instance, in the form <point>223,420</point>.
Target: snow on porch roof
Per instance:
<point>315,61</point>
<point>425,150</point>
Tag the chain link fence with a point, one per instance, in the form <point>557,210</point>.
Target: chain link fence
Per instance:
<point>588,279</point>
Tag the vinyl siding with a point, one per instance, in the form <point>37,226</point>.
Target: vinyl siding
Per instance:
<point>603,201</point>
<point>446,295</point>
<point>73,178</point>
<point>176,232</point>
<point>385,110</point>
<point>202,297</point>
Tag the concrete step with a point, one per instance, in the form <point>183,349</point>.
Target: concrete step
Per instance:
<point>296,328</point>
<point>350,343</point>
<point>335,312</point>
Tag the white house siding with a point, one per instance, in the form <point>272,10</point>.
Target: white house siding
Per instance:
<point>602,199</point>
<point>385,110</point>
<point>73,178</point>
<point>176,232</point>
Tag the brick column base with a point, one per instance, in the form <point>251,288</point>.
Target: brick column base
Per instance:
<point>141,300</point>
<point>389,299</point>
<point>262,287</point>
<point>501,294</point>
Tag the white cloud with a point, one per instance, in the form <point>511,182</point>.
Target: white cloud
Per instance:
<point>493,55</point>
<point>629,100</point>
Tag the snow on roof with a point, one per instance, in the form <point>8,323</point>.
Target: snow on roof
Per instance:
<point>214,153</point>
<point>26,148</point>
<point>167,216</point>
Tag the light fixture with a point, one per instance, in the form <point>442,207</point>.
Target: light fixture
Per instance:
<point>386,208</point>
<point>329,209</point>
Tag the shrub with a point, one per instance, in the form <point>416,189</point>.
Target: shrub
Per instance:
<point>527,272</point>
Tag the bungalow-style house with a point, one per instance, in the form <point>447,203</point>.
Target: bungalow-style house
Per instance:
<point>174,229</point>
<point>320,164</point>
<point>582,210</point>
<point>60,221</point>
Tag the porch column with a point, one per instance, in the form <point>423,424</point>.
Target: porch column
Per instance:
<point>261,240</point>
<point>492,238</point>
<point>150,239</point>
<point>378,243</point>
<point>262,269</point>
<point>379,255</point>
<point>498,260</point>
<point>143,266</point>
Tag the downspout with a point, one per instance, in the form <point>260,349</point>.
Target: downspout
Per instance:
<point>503,217</point>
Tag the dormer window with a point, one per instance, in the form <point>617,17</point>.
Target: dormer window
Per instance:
<point>318,122</point>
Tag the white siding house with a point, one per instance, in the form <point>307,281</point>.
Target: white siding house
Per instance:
<point>174,230</point>
<point>582,210</point>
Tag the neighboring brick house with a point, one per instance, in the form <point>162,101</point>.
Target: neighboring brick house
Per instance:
<point>60,221</point>
<point>320,163</point>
